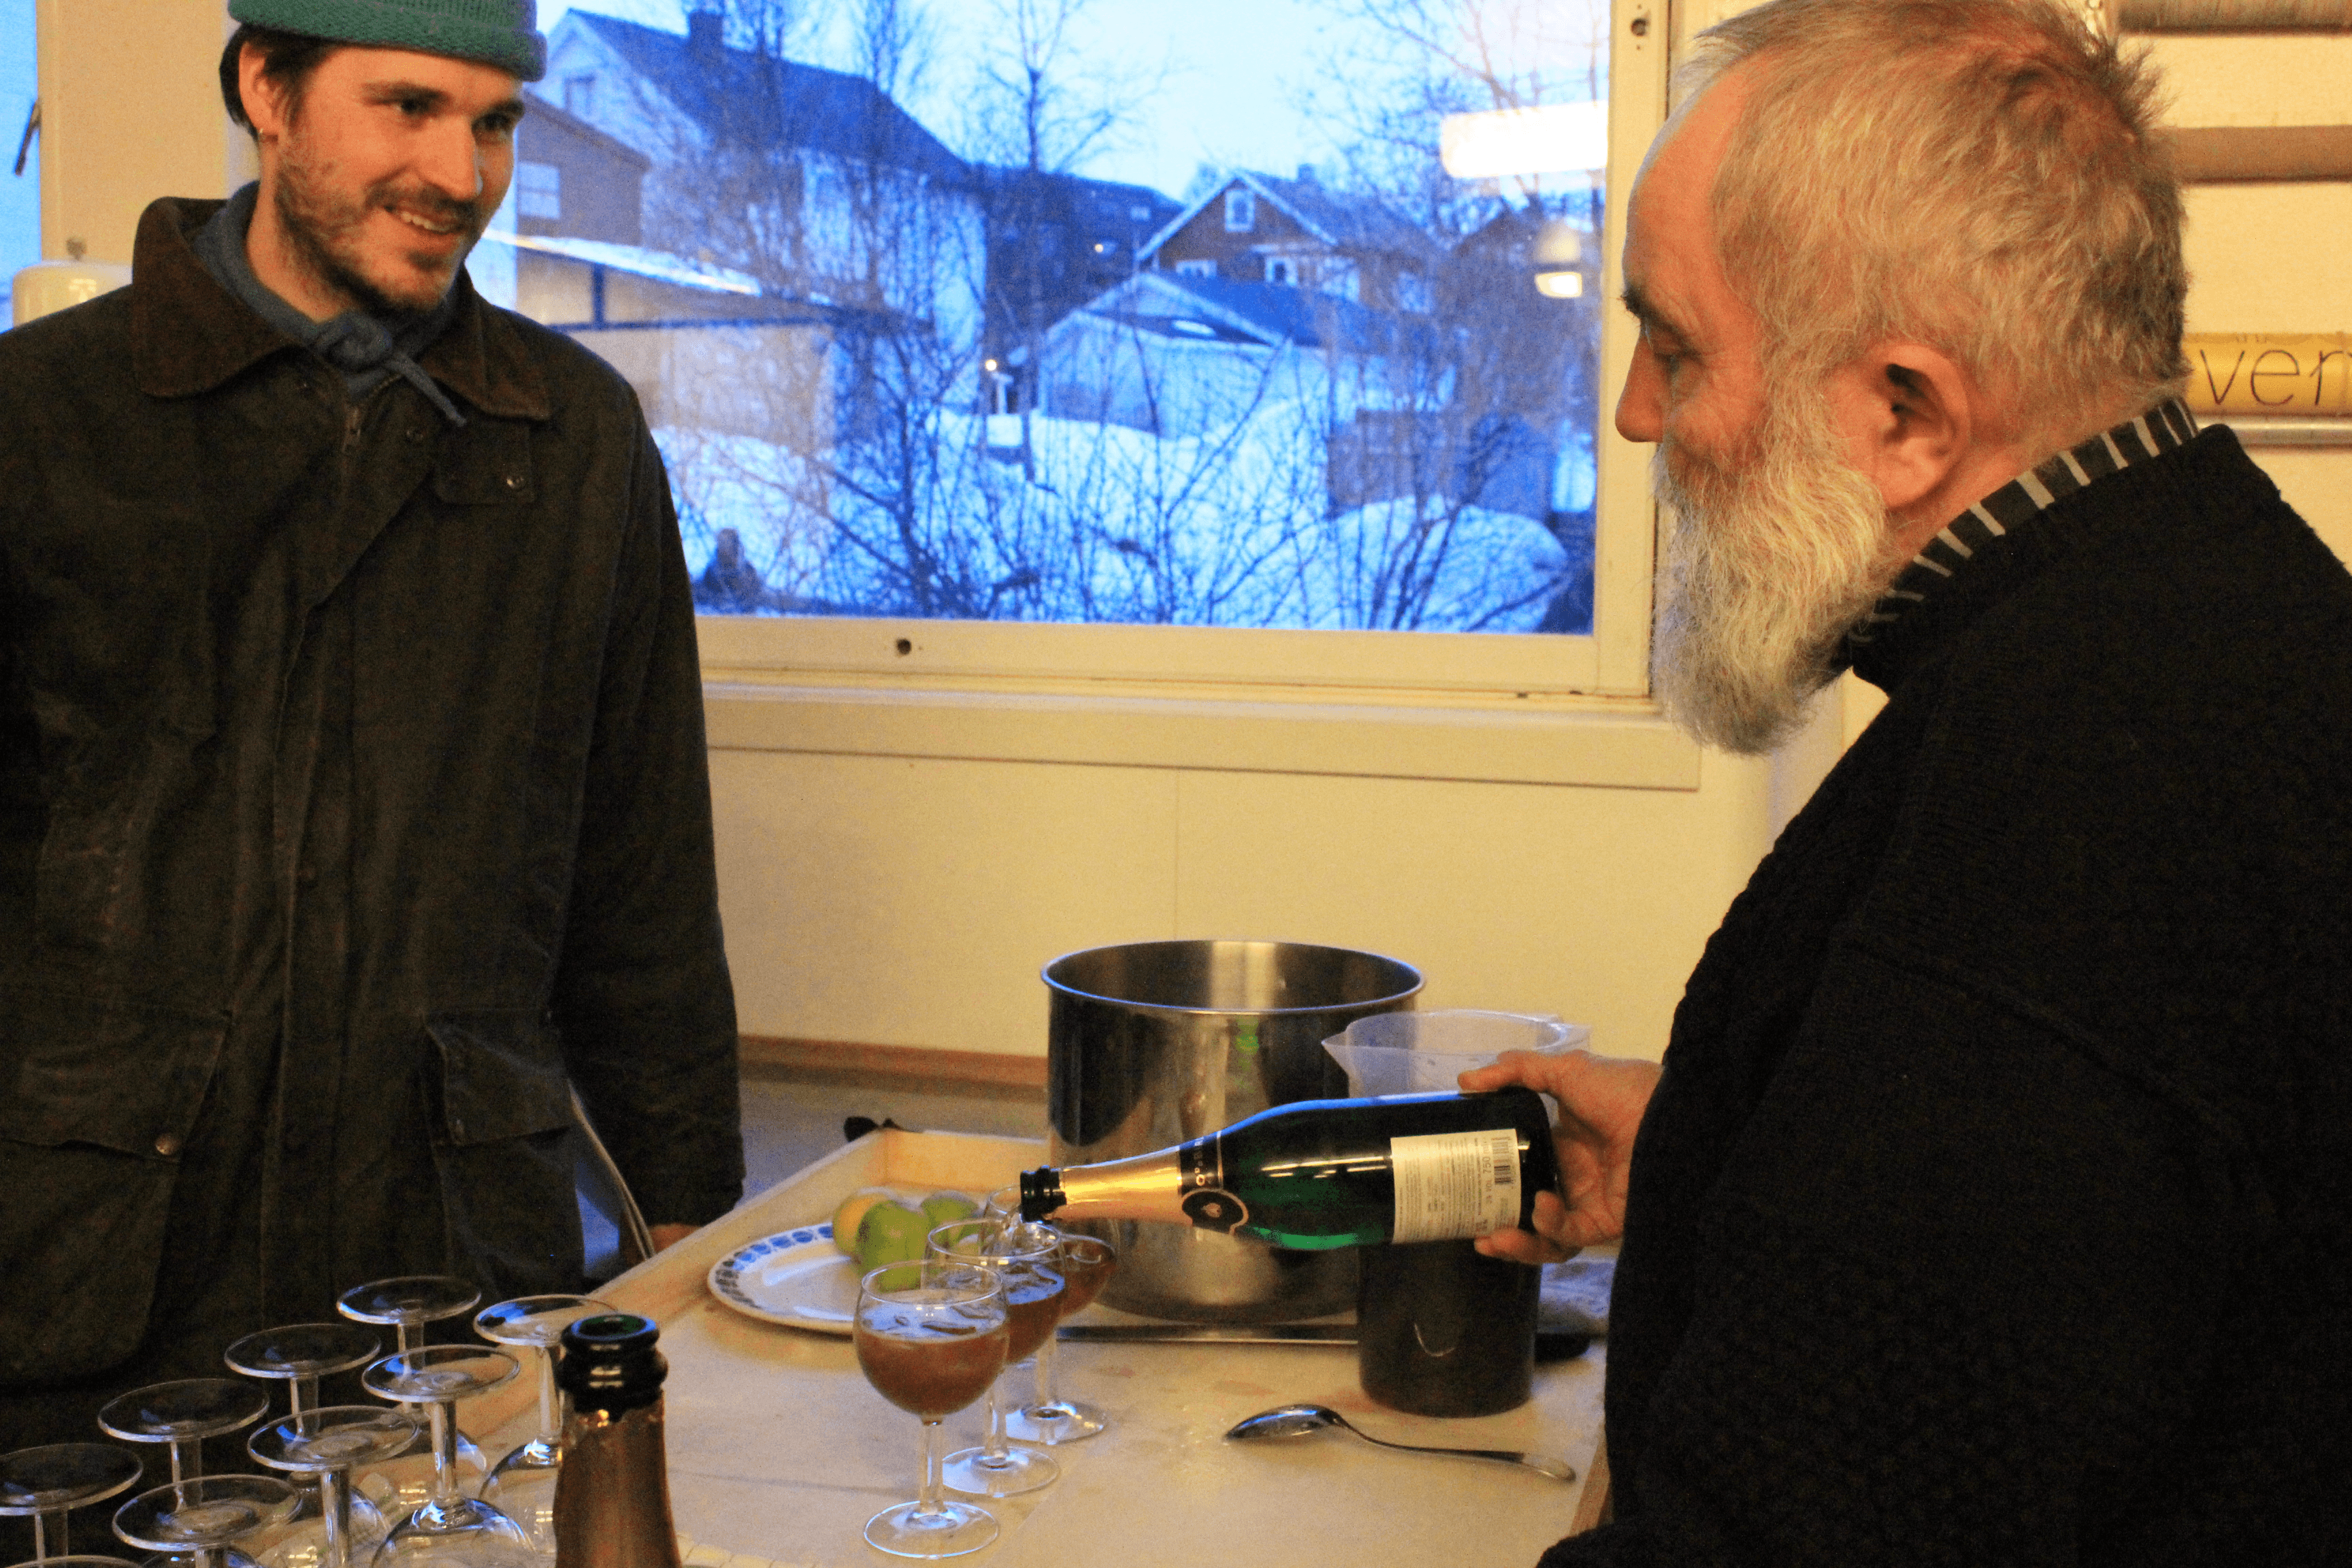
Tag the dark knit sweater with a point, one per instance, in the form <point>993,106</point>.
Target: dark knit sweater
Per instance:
<point>1996,1203</point>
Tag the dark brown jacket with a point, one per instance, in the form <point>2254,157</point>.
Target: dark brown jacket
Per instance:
<point>352,793</point>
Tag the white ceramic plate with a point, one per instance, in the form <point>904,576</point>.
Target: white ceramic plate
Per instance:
<point>796,1278</point>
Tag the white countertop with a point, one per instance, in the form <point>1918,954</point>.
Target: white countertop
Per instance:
<point>779,1451</point>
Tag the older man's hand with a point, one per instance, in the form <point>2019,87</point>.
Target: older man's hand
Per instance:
<point>1602,1100</point>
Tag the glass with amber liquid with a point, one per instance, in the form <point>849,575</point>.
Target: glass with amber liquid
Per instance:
<point>931,1338</point>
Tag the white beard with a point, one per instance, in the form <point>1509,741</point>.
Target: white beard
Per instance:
<point>1769,558</point>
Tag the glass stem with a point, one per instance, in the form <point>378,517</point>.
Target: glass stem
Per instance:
<point>181,1469</point>
<point>410,1333</point>
<point>928,1505</point>
<point>991,1447</point>
<point>335,1506</point>
<point>1046,1373</point>
<point>551,1400</point>
<point>41,1535</point>
<point>445,1455</point>
<point>302,1395</point>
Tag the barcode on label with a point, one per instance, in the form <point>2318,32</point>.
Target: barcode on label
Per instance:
<point>1451,1186</point>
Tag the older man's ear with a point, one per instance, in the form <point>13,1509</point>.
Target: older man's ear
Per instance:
<point>1922,430</point>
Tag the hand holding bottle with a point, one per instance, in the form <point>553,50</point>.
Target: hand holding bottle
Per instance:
<point>1602,1100</point>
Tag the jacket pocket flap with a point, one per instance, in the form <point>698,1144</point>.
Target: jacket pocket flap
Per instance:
<point>89,1069</point>
<point>501,1075</point>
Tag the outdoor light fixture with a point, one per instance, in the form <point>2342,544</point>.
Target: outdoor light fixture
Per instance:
<point>1559,248</point>
<point>1552,139</point>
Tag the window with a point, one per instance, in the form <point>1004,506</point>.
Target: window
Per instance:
<point>20,197</point>
<point>580,94</point>
<point>1168,471</point>
<point>539,191</point>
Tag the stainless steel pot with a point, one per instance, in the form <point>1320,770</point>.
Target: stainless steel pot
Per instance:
<point>1157,1042</point>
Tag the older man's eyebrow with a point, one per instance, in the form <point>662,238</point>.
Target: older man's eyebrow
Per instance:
<point>1645,310</point>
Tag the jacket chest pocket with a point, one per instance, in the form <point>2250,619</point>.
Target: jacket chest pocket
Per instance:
<point>485,461</point>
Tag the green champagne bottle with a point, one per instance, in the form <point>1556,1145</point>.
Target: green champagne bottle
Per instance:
<point>1318,1174</point>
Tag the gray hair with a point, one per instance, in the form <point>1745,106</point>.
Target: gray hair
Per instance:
<point>1979,175</point>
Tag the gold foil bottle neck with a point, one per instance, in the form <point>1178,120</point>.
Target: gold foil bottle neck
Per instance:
<point>611,1495</point>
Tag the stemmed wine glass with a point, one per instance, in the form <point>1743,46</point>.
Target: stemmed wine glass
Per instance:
<point>1023,1260</point>
<point>522,1486</point>
<point>194,1520</point>
<point>448,1528</point>
<point>406,1304</point>
<point>327,1444</point>
<point>298,1355</point>
<point>1085,1264</point>
<point>931,1338</point>
<point>183,1415</point>
<point>46,1484</point>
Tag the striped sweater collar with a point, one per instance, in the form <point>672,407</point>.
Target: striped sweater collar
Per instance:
<point>2166,425</point>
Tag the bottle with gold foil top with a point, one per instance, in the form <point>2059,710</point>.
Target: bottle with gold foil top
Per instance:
<point>611,1494</point>
<point>1318,1174</point>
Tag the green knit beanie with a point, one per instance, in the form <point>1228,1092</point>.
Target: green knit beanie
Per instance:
<point>501,33</point>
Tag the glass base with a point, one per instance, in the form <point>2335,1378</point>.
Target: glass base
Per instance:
<point>1063,1421</point>
<point>1017,1470</point>
<point>302,1542</point>
<point>907,1530</point>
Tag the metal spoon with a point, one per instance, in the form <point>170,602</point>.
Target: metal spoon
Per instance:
<point>1297,1420</point>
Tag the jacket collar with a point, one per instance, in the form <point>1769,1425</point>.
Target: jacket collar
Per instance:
<point>190,335</point>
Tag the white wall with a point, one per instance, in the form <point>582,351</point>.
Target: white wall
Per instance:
<point>910,902</point>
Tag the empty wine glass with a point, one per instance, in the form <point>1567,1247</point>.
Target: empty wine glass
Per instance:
<point>448,1528</point>
<point>194,1520</point>
<point>298,1355</point>
<point>522,1486</point>
<point>328,1443</point>
<point>1022,1257</point>
<point>46,1484</point>
<point>183,1414</point>
<point>406,1304</point>
<point>931,1337</point>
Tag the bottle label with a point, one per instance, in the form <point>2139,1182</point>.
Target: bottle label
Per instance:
<point>1452,1185</point>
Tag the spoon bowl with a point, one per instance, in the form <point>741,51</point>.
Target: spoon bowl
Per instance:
<point>1298,1420</point>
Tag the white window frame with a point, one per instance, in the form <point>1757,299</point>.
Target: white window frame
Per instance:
<point>1534,709</point>
<point>1241,212</point>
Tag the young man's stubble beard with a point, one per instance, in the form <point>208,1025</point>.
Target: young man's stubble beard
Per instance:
<point>1772,552</point>
<point>328,229</point>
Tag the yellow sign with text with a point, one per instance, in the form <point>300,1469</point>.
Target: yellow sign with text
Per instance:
<point>2261,373</point>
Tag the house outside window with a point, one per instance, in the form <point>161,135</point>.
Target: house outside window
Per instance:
<point>539,190</point>
<point>1384,430</point>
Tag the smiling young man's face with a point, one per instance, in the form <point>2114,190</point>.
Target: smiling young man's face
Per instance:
<point>378,177</point>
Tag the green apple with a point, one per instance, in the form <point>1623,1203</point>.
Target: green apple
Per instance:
<point>949,1204</point>
<point>891,1231</point>
<point>845,1218</point>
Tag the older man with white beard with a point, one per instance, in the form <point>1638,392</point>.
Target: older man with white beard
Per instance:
<point>1993,1203</point>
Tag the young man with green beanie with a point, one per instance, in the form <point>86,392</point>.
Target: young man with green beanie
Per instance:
<point>354,800</point>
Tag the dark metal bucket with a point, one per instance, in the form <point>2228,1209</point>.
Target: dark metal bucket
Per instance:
<point>1153,1043</point>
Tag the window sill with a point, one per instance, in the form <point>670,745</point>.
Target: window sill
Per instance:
<point>1614,744</point>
